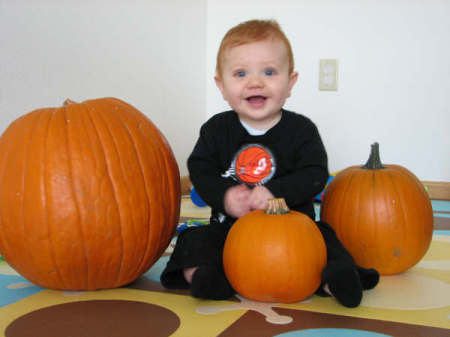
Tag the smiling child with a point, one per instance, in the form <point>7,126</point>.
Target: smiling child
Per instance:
<point>250,154</point>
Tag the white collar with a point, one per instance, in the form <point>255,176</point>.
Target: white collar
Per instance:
<point>252,131</point>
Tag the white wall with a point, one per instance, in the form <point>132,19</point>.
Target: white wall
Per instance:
<point>394,76</point>
<point>156,54</point>
<point>148,53</point>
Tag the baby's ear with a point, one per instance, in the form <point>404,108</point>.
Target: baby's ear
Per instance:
<point>219,83</point>
<point>293,77</point>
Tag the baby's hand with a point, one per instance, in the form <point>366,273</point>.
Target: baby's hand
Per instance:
<point>259,198</point>
<point>236,200</point>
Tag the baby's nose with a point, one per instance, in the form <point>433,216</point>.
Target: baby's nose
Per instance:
<point>255,81</point>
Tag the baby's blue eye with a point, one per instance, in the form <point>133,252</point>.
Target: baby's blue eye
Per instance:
<point>269,72</point>
<point>240,73</point>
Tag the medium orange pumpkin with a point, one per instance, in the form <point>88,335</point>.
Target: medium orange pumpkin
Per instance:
<point>381,213</point>
<point>89,195</point>
<point>275,255</point>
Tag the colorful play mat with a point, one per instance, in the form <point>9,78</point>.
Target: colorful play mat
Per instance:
<point>415,303</point>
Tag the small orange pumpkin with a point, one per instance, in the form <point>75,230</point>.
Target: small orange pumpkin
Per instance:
<point>275,255</point>
<point>89,195</point>
<point>381,213</point>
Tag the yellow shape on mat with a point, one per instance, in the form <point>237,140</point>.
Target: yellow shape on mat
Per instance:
<point>189,209</point>
<point>6,269</point>
<point>420,295</point>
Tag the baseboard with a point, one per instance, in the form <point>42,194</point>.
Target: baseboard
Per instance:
<point>437,190</point>
<point>186,185</point>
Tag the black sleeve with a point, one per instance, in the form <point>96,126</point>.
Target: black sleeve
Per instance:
<point>205,168</point>
<point>309,173</point>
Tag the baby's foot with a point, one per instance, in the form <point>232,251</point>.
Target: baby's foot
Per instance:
<point>344,284</point>
<point>369,277</point>
<point>210,282</point>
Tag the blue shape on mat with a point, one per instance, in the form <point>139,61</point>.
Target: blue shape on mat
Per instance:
<point>441,232</point>
<point>155,271</point>
<point>440,205</point>
<point>11,295</point>
<point>319,196</point>
<point>331,333</point>
<point>196,198</point>
<point>441,215</point>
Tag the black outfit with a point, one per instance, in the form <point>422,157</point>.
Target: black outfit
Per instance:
<point>292,162</point>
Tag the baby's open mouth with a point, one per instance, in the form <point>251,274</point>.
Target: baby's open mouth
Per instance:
<point>256,100</point>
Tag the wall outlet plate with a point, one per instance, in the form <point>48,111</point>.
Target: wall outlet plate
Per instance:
<point>328,74</point>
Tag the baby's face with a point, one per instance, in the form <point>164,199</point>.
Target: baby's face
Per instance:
<point>256,82</point>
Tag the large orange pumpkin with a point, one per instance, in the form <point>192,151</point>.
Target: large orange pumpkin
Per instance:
<point>381,213</point>
<point>89,195</point>
<point>275,255</point>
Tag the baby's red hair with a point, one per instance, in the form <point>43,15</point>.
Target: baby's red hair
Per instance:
<point>253,31</point>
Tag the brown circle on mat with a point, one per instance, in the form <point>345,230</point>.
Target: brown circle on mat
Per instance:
<point>99,318</point>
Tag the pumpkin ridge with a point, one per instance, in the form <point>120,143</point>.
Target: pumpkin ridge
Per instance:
<point>153,211</point>
<point>117,150</point>
<point>94,141</point>
<point>175,202</point>
<point>26,142</point>
<point>416,257</point>
<point>399,202</point>
<point>342,215</point>
<point>427,205</point>
<point>354,187</point>
<point>358,207</point>
<point>3,162</point>
<point>373,212</point>
<point>172,182</point>
<point>147,197</point>
<point>6,153</point>
<point>46,207</point>
<point>174,205</point>
<point>374,215</point>
<point>65,109</point>
<point>132,140</point>
<point>111,180</point>
<point>160,155</point>
<point>29,135</point>
<point>164,152</point>
<point>303,272</point>
<point>162,148</point>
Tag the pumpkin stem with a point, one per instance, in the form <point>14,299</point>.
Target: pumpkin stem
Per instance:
<point>374,162</point>
<point>68,101</point>
<point>277,206</point>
